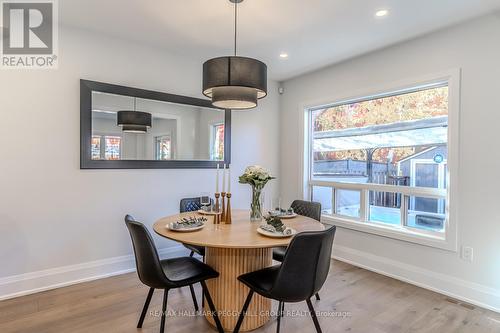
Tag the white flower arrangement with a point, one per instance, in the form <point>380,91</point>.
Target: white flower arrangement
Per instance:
<point>256,175</point>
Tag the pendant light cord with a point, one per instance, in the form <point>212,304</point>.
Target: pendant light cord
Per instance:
<point>235,24</point>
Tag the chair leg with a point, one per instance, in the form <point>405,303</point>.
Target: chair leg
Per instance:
<point>164,310</point>
<point>243,311</point>
<point>280,314</point>
<point>202,291</point>
<point>313,316</point>
<point>212,307</point>
<point>191,254</point>
<point>145,308</point>
<point>317,297</point>
<point>195,302</point>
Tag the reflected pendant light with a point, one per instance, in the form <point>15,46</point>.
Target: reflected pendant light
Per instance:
<point>134,121</point>
<point>234,82</point>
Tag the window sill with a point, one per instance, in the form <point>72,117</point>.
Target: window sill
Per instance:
<point>445,242</point>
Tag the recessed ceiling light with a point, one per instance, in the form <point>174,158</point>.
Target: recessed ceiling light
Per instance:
<point>381,13</point>
<point>283,55</point>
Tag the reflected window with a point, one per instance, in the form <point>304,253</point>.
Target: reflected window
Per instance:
<point>96,147</point>
<point>112,147</point>
<point>163,147</point>
<point>217,142</point>
<point>106,147</point>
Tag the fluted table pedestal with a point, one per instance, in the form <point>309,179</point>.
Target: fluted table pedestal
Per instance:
<point>229,294</point>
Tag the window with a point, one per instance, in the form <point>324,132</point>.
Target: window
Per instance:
<point>112,147</point>
<point>217,142</point>
<point>163,147</point>
<point>381,163</point>
<point>106,147</point>
<point>96,147</point>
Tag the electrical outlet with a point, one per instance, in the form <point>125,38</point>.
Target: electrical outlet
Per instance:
<point>467,253</point>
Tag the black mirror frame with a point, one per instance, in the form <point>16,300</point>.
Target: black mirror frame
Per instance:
<point>86,162</point>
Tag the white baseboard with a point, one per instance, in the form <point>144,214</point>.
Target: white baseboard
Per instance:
<point>29,283</point>
<point>473,293</point>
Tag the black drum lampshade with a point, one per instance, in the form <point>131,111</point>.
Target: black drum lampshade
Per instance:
<point>234,82</point>
<point>134,121</point>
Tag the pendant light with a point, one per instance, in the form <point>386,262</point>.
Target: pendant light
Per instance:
<point>134,121</point>
<point>234,82</point>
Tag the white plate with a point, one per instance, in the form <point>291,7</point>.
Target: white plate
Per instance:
<point>287,216</point>
<point>284,216</point>
<point>202,212</point>
<point>185,229</point>
<point>275,235</point>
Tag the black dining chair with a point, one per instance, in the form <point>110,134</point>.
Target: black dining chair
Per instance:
<point>167,274</point>
<point>303,272</point>
<point>305,208</point>
<point>192,205</point>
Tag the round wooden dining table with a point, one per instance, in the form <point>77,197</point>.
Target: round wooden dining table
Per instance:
<point>235,249</point>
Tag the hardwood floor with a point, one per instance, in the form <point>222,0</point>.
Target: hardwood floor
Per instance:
<point>371,302</point>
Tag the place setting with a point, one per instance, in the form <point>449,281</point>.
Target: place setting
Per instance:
<point>207,205</point>
<point>272,225</point>
<point>283,213</point>
<point>275,228</point>
<point>188,224</point>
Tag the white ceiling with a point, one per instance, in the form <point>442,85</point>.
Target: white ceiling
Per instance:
<point>314,33</point>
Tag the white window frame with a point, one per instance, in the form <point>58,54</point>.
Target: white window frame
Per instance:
<point>446,240</point>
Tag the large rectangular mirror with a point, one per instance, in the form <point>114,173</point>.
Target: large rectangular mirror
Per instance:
<point>185,132</point>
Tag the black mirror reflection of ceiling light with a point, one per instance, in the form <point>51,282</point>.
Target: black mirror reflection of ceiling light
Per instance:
<point>134,121</point>
<point>234,82</point>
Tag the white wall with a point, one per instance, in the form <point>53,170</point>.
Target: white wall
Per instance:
<point>52,214</point>
<point>474,48</point>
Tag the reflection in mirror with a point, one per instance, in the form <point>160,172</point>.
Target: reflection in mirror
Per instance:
<point>178,131</point>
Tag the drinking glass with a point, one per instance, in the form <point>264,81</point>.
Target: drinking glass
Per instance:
<point>205,201</point>
<point>276,205</point>
<point>263,205</point>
